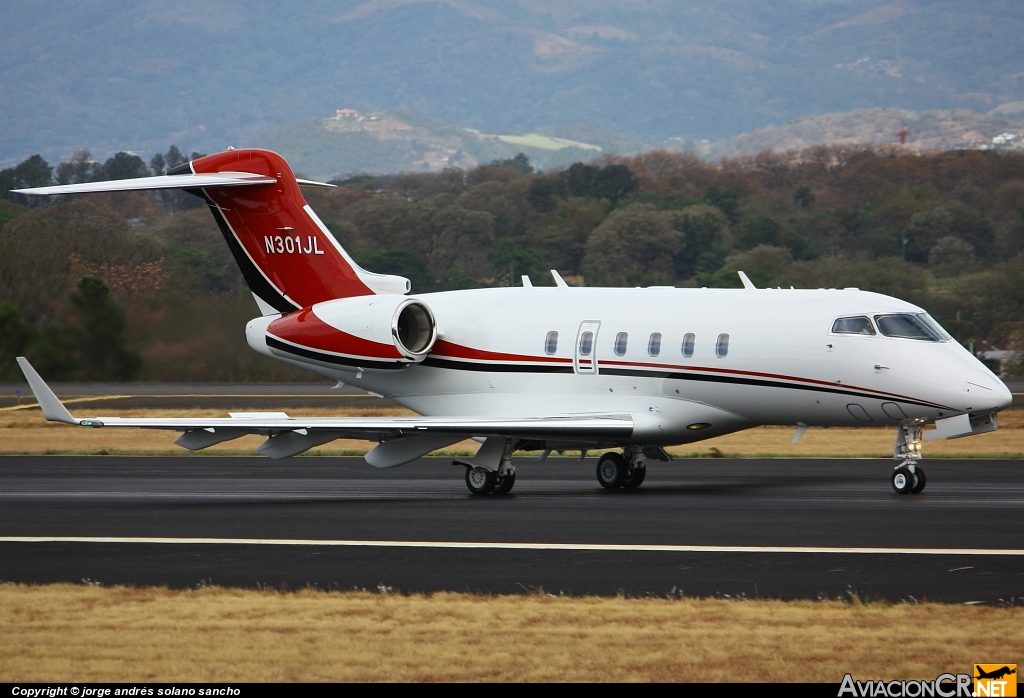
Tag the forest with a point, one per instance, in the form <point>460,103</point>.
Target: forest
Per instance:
<point>142,287</point>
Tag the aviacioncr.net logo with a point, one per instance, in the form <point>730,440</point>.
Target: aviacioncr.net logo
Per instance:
<point>943,686</point>
<point>995,680</point>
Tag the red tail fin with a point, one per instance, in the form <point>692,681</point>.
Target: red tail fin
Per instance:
<point>287,256</point>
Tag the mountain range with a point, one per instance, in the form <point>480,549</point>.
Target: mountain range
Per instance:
<point>351,142</point>
<point>204,74</point>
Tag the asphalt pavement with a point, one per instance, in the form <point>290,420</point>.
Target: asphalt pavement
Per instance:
<point>774,528</point>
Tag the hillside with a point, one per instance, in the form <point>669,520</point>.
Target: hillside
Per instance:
<point>396,141</point>
<point>931,130</point>
<point>107,75</point>
<point>399,141</point>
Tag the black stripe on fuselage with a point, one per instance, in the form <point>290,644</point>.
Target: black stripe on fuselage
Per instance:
<point>331,358</point>
<point>257,283</point>
<point>763,383</point>
<point>436,362</point>
<point>672,375</point>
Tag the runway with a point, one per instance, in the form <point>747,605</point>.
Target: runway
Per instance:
<point>711,527</point>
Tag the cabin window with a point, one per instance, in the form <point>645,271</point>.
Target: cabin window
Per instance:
<point>654,344</point>
<point>722,345</point>
<point>688,339</point>
<point>551,343</point>
<point>586,343</point>
<point>853,325</point>
<point>620,343</point>
<point>907,326</point>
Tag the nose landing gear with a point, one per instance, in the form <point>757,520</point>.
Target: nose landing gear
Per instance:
<point>908,477</point>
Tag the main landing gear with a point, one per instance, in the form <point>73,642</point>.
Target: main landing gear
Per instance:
<point>908,477</point>
<point>483,481</point>
<point>491,470</point>
<point>626,471</point>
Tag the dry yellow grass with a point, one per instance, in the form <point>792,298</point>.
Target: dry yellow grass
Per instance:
<point>77,633</point>
<point>25,431</point>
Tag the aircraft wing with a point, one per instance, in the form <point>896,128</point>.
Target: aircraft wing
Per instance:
<point>289,436</point>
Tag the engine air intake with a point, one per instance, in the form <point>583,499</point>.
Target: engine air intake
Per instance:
<point>414,329</point>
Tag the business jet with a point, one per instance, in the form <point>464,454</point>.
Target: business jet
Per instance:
<point>630,371</point>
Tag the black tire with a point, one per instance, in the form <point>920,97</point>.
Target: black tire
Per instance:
<point>611,470</point>
<point>635,478</point>
<point>504,483</point>
<point>919,481</point>
<point>902,480</point>
<point>480,480</point>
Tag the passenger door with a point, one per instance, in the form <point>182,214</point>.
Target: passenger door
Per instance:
<point>585,355</point>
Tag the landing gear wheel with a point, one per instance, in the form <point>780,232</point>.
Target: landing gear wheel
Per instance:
<point>504,483</point>
<point>919,481</point>
<point>480,480</point>
<point>902,480</point>
<point>634,478</point>
<point>611,470</point>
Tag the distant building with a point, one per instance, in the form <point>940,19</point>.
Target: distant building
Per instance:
<point>345,113</point>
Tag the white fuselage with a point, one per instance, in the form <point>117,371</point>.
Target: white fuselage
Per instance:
<point>783,364</point>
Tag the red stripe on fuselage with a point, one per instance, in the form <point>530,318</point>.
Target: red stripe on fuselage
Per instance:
<point>276,232</point>
<point>450,350</point>
<point>305,329</point>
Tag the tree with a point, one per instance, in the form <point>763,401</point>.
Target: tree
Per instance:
<point>401,263</point>
<point>613,182</point>
<point>520,163</point>
<point>80,168</point>
<point>951,256</point>
<point>122,166</point>
<point>31,172</point>
<point>632,247</point>
<point>761,230</point>
<point>726,201</point>
<point>34,172</point>
<point>804,195</point>
<point>15,336</point>
<point>704,246</point>
<point>100,334</point>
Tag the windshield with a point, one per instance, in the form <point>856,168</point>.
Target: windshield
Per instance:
<point>853,325</point>
<point>906,326</point>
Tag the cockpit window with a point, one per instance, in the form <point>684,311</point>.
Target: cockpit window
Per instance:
<point>853,325</point>
<point>906,326</point>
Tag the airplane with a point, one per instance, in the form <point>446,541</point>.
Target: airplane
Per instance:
<point>995,674</point>
<point>559,368</point>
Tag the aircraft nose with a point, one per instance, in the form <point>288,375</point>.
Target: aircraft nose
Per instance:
<point>1003,398</point>
<point>988,395</point>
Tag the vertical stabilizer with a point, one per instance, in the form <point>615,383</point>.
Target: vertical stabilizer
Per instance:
<point>288,257</point>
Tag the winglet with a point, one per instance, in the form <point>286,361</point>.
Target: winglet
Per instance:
<point>748,285</point>
<point>53,409</point>
<point>559,281</point>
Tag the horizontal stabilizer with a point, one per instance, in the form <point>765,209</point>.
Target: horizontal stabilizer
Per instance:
<point>311,183</point>
<point>183,181</point>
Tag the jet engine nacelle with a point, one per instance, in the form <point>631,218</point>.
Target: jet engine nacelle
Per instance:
<point>362,332</point>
